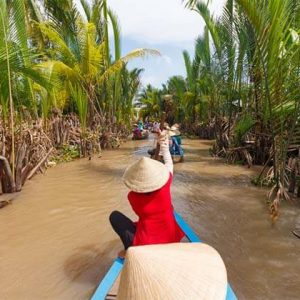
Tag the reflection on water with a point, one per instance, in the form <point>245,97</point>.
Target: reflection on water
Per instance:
<point>56,242</point>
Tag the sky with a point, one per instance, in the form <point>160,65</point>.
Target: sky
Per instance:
<point>164,25</point>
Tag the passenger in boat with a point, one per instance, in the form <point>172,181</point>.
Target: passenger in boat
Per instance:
<point>141,126</point>
<point>136,131</point>
<point>155,126</point>
<point>152,151</point>
<point>175,147</point>
<point>150,198</point>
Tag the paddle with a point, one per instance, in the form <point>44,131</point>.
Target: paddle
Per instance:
<point>162,122</point>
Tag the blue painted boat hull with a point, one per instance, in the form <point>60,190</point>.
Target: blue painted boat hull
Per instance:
<point>114,271</point>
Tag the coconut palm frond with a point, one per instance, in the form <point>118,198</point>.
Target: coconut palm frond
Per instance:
<point>58,42</point>
<point>140,53</point>
<point>204,12</point>
<point>188,66</point>
<point>87,9</point>
<point>117,33</point>
<point>80,98</point>
<point>59,69</point>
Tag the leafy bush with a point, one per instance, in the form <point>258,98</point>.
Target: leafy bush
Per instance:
<point>242,127</point>
<point>67,153</point>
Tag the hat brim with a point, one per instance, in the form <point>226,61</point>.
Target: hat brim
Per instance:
<point>145,178</point>
<point>174,132</point>
<point>173,271</point>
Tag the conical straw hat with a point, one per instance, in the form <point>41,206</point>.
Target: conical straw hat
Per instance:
<point>174,132</point>
<point>181,271</point>
<point>146,175</point>
<point>166,126</point>
<point>175,126</point>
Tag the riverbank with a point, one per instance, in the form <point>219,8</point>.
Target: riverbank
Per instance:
<point>57,242</point>
<point>42,143</point>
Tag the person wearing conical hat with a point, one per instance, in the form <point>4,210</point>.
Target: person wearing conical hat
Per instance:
<point>141,125</point>
<point>175,147</point>
<point>137,133</point>
<point>178,271</point>
<point>149,182</point>
<point>152,151</point>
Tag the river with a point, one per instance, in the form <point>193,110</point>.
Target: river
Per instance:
<point>56,241</point>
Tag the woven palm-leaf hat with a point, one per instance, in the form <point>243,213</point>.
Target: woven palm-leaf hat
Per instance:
<point>180,271</point>
<point>146,175</point>
<point>175,126</point>
<point>174,130</point>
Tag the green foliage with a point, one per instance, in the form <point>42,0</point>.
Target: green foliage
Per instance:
<point>51,56</point>
<point>151,101</point>
<point>242,127</point>
<point>262,182</point>
<point>255,66</point>
<point>245,67</point>
<point>66,153</point>
<point>81,101</point>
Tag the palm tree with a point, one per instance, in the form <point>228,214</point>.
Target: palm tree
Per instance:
<point>176,86</point>
<point>256,47</point>
<point>151,101</point>
<point>82,59</point>
<point>16,61</point>
<point>278,55</point>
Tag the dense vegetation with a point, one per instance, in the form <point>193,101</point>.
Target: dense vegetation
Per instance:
<point>63,82</point>
<point>64,86</point>
<point>242,87</point>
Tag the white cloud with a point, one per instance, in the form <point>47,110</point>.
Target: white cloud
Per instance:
<point>167,59</point>
<point>159,21</point>
<point>155,69</point>
<point>165,25</point>
<point>153,80</point>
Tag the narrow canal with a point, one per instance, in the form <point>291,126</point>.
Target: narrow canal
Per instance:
<point>56,242</point>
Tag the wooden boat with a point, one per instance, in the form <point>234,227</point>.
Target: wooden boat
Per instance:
<point>142,136</point>
<point>105,291</point>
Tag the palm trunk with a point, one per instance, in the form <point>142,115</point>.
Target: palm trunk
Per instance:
<point>106,37</point>
<point>11,105</point>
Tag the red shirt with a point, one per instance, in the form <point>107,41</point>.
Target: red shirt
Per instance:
<point>156,224</point>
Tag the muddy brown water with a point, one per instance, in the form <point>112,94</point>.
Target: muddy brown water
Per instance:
<point>56,242</point>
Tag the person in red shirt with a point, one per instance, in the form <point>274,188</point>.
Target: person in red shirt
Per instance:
<point>150,198</point>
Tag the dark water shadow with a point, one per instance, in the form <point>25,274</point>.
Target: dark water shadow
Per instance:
<point>187,177</point>
<point>90,263</point>
<point>104,170</point>
<point>206,142</point>
<point>197,155</point>
<point>201,142</point>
